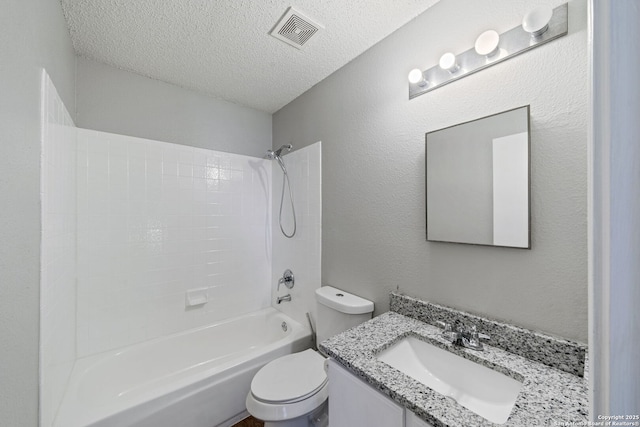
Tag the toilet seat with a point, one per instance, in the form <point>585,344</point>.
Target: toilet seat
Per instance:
<point>288,387</point>
<point>290,378</point>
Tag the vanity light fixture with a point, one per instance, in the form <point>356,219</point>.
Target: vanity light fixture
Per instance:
<point>539,26</point>
<point>536,22</point>
<point>487,43</point>
<point>448,62</point>
<point>417,78</point>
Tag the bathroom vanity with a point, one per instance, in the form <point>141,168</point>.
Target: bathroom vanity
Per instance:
<point>366,389</point>
<point>358,403</point>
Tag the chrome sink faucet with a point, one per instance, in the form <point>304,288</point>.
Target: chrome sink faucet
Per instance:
<point>464,337</point>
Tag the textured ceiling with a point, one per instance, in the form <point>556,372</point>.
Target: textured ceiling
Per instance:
<point>222,47</point>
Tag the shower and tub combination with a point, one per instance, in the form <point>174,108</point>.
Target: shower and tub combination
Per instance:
<point>170,324</point>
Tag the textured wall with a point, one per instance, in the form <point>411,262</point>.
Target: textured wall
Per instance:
<point>116,101</point>
<point>33,36</point>
<point>373,169</point>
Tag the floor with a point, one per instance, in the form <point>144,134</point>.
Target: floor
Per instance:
<point>249,422</point>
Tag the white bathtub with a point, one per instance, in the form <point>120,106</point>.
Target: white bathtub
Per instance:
<point>198,378</point>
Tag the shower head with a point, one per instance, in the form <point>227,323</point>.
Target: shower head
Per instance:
<point>279,150</point>
<point>276,154</point>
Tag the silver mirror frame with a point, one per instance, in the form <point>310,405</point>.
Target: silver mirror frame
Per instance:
<point>528,127</point>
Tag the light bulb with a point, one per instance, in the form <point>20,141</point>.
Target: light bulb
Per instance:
<point>487,43</point>
<point>448,62</point>
<point>417,78</point>
<point>536,22</point>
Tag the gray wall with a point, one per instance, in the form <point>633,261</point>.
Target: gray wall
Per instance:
<point>33,36</point>
<point>117,101</point>
<point>373,169</point>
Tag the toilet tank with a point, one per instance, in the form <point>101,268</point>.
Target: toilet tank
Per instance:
<point>338,311</point>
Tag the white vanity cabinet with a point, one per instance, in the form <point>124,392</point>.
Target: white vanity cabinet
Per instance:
<point>412,420</point>
<point>353,402</point>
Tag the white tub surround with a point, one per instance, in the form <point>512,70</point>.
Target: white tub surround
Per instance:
<point>198,378</point>
<point>158,220</point>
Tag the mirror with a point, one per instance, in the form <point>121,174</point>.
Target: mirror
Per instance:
<point>478,181</point>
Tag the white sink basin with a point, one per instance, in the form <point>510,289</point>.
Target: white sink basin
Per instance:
<point>484,391</point>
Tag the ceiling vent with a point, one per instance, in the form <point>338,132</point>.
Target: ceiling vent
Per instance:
<point>295,29</point>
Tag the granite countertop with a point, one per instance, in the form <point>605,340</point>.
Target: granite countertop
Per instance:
<point>548,396</point>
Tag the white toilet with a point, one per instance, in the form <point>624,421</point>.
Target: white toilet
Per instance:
<point>292,391</point>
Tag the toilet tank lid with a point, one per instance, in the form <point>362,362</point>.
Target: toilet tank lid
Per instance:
<point>343,301</point>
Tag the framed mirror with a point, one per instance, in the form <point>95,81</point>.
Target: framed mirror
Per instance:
<point>478,181</point>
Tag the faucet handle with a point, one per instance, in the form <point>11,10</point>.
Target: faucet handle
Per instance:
<point>445,326</point>
<point>473,331</point>
<point>448,333</point>
<point>287,278</point>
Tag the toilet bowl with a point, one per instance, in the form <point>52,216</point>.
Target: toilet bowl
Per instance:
<point>292,391</point>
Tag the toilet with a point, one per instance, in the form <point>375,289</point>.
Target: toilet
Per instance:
<point>292,390</point>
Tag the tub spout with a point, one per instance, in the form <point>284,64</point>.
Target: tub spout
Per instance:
<point>287,297</point>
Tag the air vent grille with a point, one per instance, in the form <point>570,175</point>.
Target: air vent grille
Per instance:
<point>295,29</point>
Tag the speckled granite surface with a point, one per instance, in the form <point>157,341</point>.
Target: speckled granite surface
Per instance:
<point>548,396</point>
<point>556,352</point>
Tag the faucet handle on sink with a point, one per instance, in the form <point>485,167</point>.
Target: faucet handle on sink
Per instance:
<point>448,333</point>
<point>445,326</point>
<point>471,338</point>
<point>473,331</point>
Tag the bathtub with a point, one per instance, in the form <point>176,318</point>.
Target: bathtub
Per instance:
<point>197,378</point>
